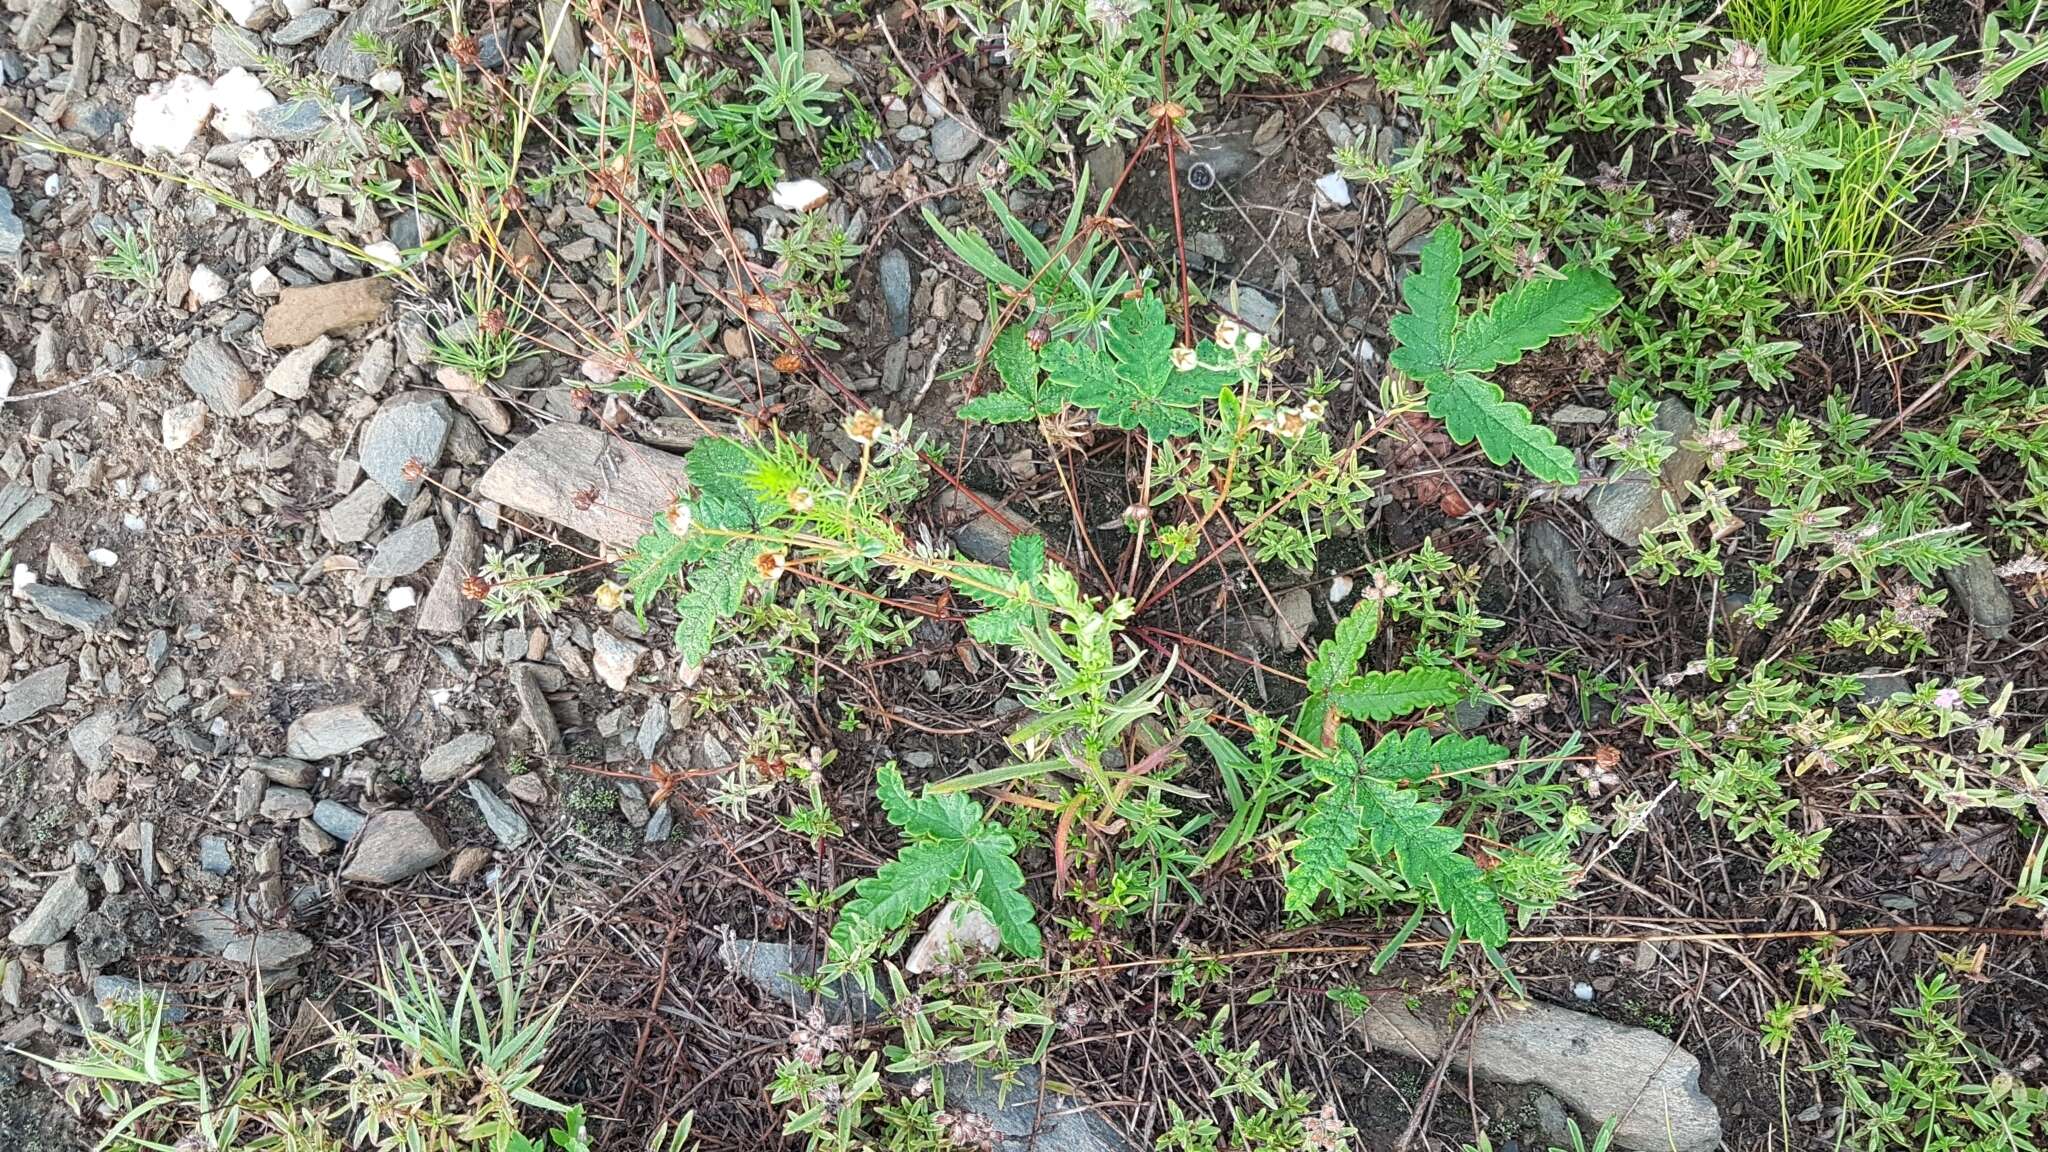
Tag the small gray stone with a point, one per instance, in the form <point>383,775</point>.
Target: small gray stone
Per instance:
<point>892,274</point>
<point>183,423</point>
<point>213,855</point>
<point>505,822</point>
<point>615,658</point>
<point>64,903</point>
<point>984,536</point>
<point>352,518</point>
<point>542,475</point>
<point>313,839</point>
<point>1297,617</point>
<point>382,20</point>
<point>455,757</point>
<point>332,731</point>
<point>292,377</point>
<point>233,47</point>
<point>338,820</point>
<point>281,804</point>
<point>13,233</point>
<point>275,948</point>
<point>70,607</point>
<point>1982,596</point>
<point>394,845</point>
<point>249,789</point>
<point>405,551</point>
<point>1253,309</point>
<point>530,686</point>
<point>216,375</point>
<point>661,824</point>
<point>446,609</point>
<point>35,694</point>
<point>412,426</point>
<point>1548,561</point>
<point>1631,503</point>
<point>89,739</point>
<point>292,121</point>
<point>42,19</point>
<point>304,27</point>
<point>822,62</point>
<point>286,771</point>
<point>952,140</point>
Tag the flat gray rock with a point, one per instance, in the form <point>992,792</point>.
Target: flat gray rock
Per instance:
<point>410,427</point>
<point>20,507</point>
<point>1981,596</point>
<point>338,820</point>
<point>292,377</point>
<point>982,535</point>
<point>1550,562</point>
<point>504,820</point>
<point>393,846</point>
<point>614,658</point>
<point>952,140</point>
<point>1603,1070</point>
<point>333,731</point>
<point>69,606</point>
<point>383,20</point>
<point>64,903</point>
<point>276,948</point>
<point>405,551</point>
<point>352,518</point>
<point>281,804</point>
<point>892,274</point>
<point>542,475</point>
<point>90,738</point>
<point>446,609</point>
<point>530,685</point>
<point>216,375</point>
<point>35,694</point>
<point>455,757</point>
<point>1631,503</point>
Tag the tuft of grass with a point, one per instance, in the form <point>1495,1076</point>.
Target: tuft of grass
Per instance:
<point>1808,31</point>
<point>131,258</point>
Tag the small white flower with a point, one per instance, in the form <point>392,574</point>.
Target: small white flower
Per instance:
<point>678,518</point>
<point>1253,341</point>
<point>1185,359</point>
<point>801,500</point>
<point>1227,332</point>
<point>1312,410</point>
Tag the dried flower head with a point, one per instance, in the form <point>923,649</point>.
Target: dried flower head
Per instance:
<point>1185,359</point>
<point>867,427</point>
<point>678,518</point>
<point>475,588</point>
<point>1227,332</point>
<point>585,499</point>
<point>802,500</point>
<point>414,471</point>
<point>1742,74</point>
<point>610,597</point>
<point>771,564</point>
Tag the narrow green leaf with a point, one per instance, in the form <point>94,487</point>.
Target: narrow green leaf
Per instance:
<point>1381,696</point>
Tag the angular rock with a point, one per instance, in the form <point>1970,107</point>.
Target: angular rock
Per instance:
<point>64,903</point>
<point>393,846</point>
<point>446,609</point>
<point>292,377</point>
<point>1549,562</point>
<point>410,427</point>
<point>70,607</point>
<point>89,739</point>
<point>543,473</point>
<point>216,375</point>
<point>1030,1116</point>
<point>35,694</point>
<point>960,932</point>
<point>382,19</point>
<point>183,423</point>
<point>42,19</point>
<point>1631,503</point>
<point>892,275</point>
<point>302,315</point>
<point>405,551</point>
<point>982,535</point>
<point>530,685</point>
<point>292,121</point>
<point>332,731</point>
<point>275,948</point>
<point>952,140</point>
<point>20,507</point>
<point>351,519</point>
<point>1601,1069</point>
<point>1982,596</point>
<point>170,116</point>
<point>281,804</point>
<point>455,757</point>
<point>504,820</point>
<point>338,820</point>
<point>214,857</point>
<point>615,658</point>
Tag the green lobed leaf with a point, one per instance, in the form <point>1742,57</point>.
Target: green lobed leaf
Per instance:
<point>1415,755</point>
<point>1026,393</point>
<point>710,597</point>
<point>1381,696</point>
<point>723,470</point>
<point>1337,658</point>
<point>657,562</point>
<point>1475,409</point>
<point>1027,557</point>
<point>1530,315</point>
<point>1131,382</point>
<point>1423,333</point>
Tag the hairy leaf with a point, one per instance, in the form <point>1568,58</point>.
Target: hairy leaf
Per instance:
<point>948,847</point>
<point>723,470</point>
<point>657,563</point>
<point>1026,394</point>
<point>1475,409</point>
<point>711,596</point>
<point>1381,696</point>
<point>1131,381</point>
<point>1361,810</point>
<point>1337,658</point>
<point>1445,353</point>
<point>1529,315</point>
<point>1414,755</point>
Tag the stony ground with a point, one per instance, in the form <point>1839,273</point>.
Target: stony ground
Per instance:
<point>251,721</point>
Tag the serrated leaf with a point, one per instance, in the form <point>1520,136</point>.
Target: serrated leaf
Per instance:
<point>1530,315</point>
<point>657,563</point>
<point>723,470</point>
<point>1475,409</point>
<point>1381,696</point>
<point>1131,382</point>
<point>1423,333</point>
<point>1027,394</point>
<point>1415,755</point>
<point>1005,625</point>
<point>1337,658</point>
<point>948,847</point>
<point>1359,809</point>
<point>1027,557</point>
<point>711,596</point>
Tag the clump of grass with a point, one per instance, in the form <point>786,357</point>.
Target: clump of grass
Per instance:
<point>1810,31</point>
<point>130,258</point>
